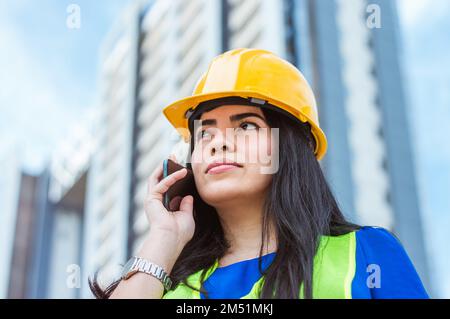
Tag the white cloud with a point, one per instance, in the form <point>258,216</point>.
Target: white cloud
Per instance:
<point>413,12</point>
<point>410,10</point>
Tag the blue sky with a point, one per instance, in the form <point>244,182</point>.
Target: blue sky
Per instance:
<point>48,80</point>
<point>48,71</point>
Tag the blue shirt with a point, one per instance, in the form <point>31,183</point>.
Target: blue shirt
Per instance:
<point>383,270</point>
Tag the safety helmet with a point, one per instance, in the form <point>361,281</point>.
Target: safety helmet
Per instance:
<point>257,75</point>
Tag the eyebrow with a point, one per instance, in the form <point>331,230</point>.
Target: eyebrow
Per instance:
<point>233,118</point>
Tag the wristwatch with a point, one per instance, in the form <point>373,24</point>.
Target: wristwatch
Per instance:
<point>137,264</point>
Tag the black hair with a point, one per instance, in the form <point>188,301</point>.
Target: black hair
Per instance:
<point>299,202</point>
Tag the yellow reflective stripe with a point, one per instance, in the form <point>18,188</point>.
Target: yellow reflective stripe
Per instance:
<point>351,268</point>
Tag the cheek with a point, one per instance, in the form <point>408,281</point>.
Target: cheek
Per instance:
<point>198,166</point>
<point>255,182</point>
<point>257,150</point>
<point>196,162</point>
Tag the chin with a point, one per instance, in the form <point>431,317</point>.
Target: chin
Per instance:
<point>219,191</point>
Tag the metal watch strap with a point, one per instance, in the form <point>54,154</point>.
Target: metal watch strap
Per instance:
<point>145,266</point>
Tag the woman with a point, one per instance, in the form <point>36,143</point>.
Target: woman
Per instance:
<point>258,230</point>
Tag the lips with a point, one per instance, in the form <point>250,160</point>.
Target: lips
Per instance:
<point>225,165</point>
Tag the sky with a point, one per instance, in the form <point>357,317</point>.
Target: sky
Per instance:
<point>426,63</point>
<point>49,79</point>
<point>49,72</point>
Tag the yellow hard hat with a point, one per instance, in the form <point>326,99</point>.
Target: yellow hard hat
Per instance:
<point>257,74</point>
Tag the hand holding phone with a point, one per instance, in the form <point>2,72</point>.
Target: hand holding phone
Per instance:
<point>177,227</point>
<point>183,187</point>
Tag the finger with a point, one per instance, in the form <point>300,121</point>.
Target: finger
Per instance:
<point>164,185</point>
<point>155,177</point>
<point>187,204</point>
<point>175,203</point>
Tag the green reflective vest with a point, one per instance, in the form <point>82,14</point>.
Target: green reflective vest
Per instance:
<point>333,272</point>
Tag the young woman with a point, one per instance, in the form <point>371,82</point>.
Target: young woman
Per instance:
<point>254,232</point>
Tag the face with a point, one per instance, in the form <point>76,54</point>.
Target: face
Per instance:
<point>232,146</point>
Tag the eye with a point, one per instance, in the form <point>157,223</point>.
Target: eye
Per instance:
<point>245,126</point>
<point>203,134</point>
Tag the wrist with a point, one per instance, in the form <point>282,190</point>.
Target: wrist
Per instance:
<point>161,248</point>
<point>139,264</point>
<point>169,238</point>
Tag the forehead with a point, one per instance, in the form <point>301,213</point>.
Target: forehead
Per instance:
<point>224,111</point>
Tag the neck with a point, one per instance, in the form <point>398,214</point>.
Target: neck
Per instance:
<point>241,221</point>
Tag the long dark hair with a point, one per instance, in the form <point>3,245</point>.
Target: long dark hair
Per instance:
<point>299,203</point>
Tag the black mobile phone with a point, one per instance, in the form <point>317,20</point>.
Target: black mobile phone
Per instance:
<point>183,187</point>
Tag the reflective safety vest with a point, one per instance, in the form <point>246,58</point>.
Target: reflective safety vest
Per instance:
<point>333,272</point>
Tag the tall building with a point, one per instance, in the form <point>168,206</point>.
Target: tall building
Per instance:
<point>178,38</point>
<point>29,211</point>
<point>23,199</point>
<point>353,62</point>
<point>9,200</point>
<point>356,70</point>
<point>109,183</point>
<point>159,49</point>
<point>43,227</point>
<point>63,231</point>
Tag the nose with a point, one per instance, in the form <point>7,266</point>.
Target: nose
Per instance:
<point>221,144</point>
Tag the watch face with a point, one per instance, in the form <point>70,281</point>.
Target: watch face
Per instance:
<point>127,269</point>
